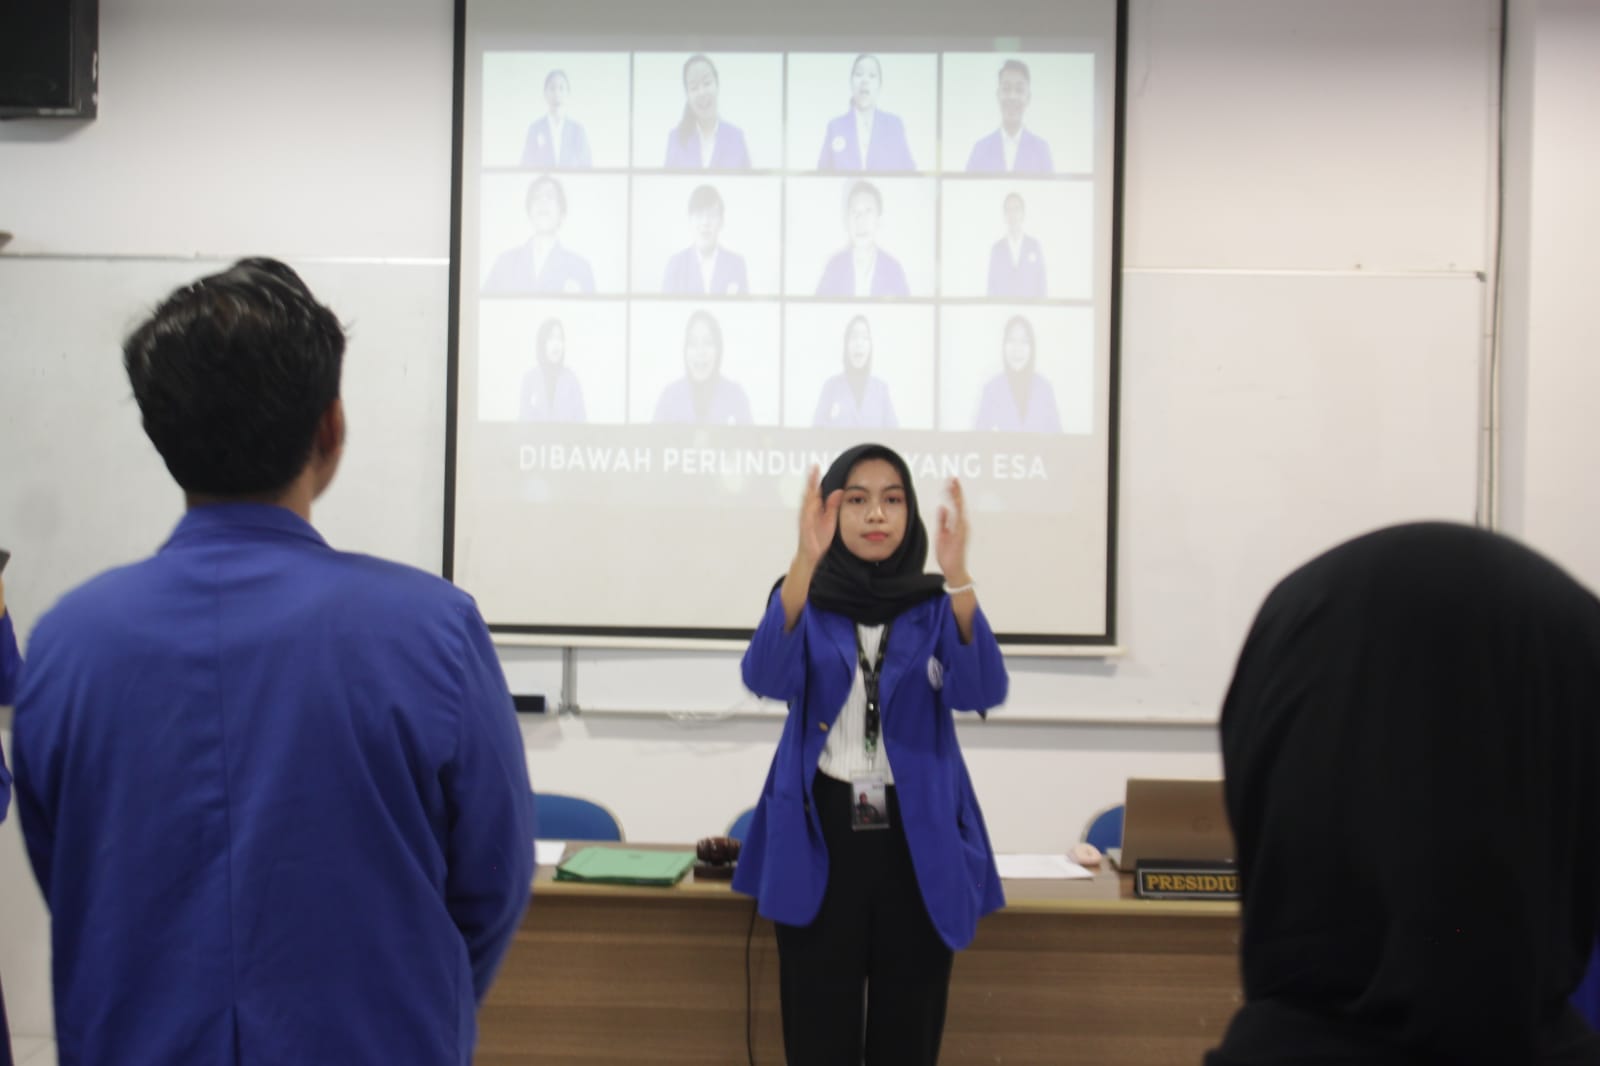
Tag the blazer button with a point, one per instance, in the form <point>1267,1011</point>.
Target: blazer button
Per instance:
<point>822,726</point>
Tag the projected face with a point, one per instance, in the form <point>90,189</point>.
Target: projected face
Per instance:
<point>701,350</point>
<point>556,91</point>
<point>707,226</point>
<point>866,78</point>
<point>1014,94</point>
<point>1014,215</point>
<point>544,209</point>
<point>872,517</point>
<point>858,344</point>
<point>862,217</point>
<point>700,87</point>
<point>554,352</point>
<point>1017,349</point>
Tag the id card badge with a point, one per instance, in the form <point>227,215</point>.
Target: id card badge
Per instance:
<point>871,807</point>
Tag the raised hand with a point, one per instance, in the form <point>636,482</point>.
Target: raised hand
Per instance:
<point>950,542</point>
<point>950,548</point>
<point>818,518</point>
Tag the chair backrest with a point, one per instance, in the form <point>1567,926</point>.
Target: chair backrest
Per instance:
<point>570,818</point>
<point>1105,828</point>
<point>741,825</point>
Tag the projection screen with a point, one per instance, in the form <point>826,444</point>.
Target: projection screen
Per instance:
<point>700,248</point>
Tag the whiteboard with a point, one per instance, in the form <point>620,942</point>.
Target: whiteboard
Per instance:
<point>83,488</point>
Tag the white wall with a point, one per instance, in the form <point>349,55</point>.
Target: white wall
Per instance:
<point>1552,334</point>
<point>1265,136</point>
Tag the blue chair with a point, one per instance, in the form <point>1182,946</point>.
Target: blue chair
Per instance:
<point>1105,829</point>
<point>561,817</point>
<point>741,825</point>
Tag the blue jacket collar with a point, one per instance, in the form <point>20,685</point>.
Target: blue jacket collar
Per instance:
<point>240,520</point>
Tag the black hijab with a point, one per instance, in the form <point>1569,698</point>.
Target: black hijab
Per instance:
<point>550,371</point>
<point>702,393</point>
<point>874,593</point>
<point>857,377</point>
<point>1412,750</point>
<point>1021,381</point>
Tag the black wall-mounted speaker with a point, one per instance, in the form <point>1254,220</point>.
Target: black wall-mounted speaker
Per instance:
<point>49,58</point>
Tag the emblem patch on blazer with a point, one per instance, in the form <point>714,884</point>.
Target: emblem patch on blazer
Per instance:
<point>935,673</point>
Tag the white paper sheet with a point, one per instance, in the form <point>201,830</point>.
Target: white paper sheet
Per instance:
<point>1040,867</point>
<point>548,852</point>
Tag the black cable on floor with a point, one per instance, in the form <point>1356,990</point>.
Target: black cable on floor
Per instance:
<point>749,1008</point>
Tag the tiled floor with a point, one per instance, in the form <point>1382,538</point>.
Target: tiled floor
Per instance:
<point>33,1051</point>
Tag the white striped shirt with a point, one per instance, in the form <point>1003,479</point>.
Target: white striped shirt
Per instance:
<point>844,757</point>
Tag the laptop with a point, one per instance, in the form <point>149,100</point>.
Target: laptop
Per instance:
<point>1172,819</point>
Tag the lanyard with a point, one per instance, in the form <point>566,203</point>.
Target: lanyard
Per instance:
<point>869,681</point>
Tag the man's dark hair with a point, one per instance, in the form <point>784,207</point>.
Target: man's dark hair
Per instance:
<point>705,198</point>
<point>232,374</point>
<point>869,189</point>
<point>1019,67</point>
<point>533,190</point>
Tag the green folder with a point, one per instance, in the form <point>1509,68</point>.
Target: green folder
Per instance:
<point>620,866</point>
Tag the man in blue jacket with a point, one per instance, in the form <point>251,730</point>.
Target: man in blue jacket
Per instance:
<point>1012,149</point>
<point>1016,262</point>
<point>706,268</point>
<point>274,794</point>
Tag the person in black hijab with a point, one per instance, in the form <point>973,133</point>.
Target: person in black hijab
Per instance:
<point>1411,745</point>
<point>867,848</point>
<point>855,397</point>
<point>852,578</point>
<point>703,396</point>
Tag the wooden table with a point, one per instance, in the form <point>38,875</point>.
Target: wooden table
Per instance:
<point>1069,972</point>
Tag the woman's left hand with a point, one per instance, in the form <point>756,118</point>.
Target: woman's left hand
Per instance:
<point>950,544</point>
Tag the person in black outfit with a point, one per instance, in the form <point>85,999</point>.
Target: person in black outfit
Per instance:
<point>1411,746</point>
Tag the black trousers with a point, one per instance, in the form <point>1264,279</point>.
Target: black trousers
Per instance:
<point>868,979</point>
<point>5,1032</point>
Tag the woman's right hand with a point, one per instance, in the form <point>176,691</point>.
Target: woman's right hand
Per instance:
<point>818,518</point>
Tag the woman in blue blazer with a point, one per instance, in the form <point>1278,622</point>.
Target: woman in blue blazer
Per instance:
<point>550,390</point>
<point>703,396</point>
<point>1018,399</point>
<point>702,140</point>
<point>872,655</point>
<point>865,138</point>
<point>855,397</point>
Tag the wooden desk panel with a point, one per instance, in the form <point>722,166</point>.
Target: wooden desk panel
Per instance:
<point>1041,988</point>
<point>622,980</point>
<point>1070,972</point>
